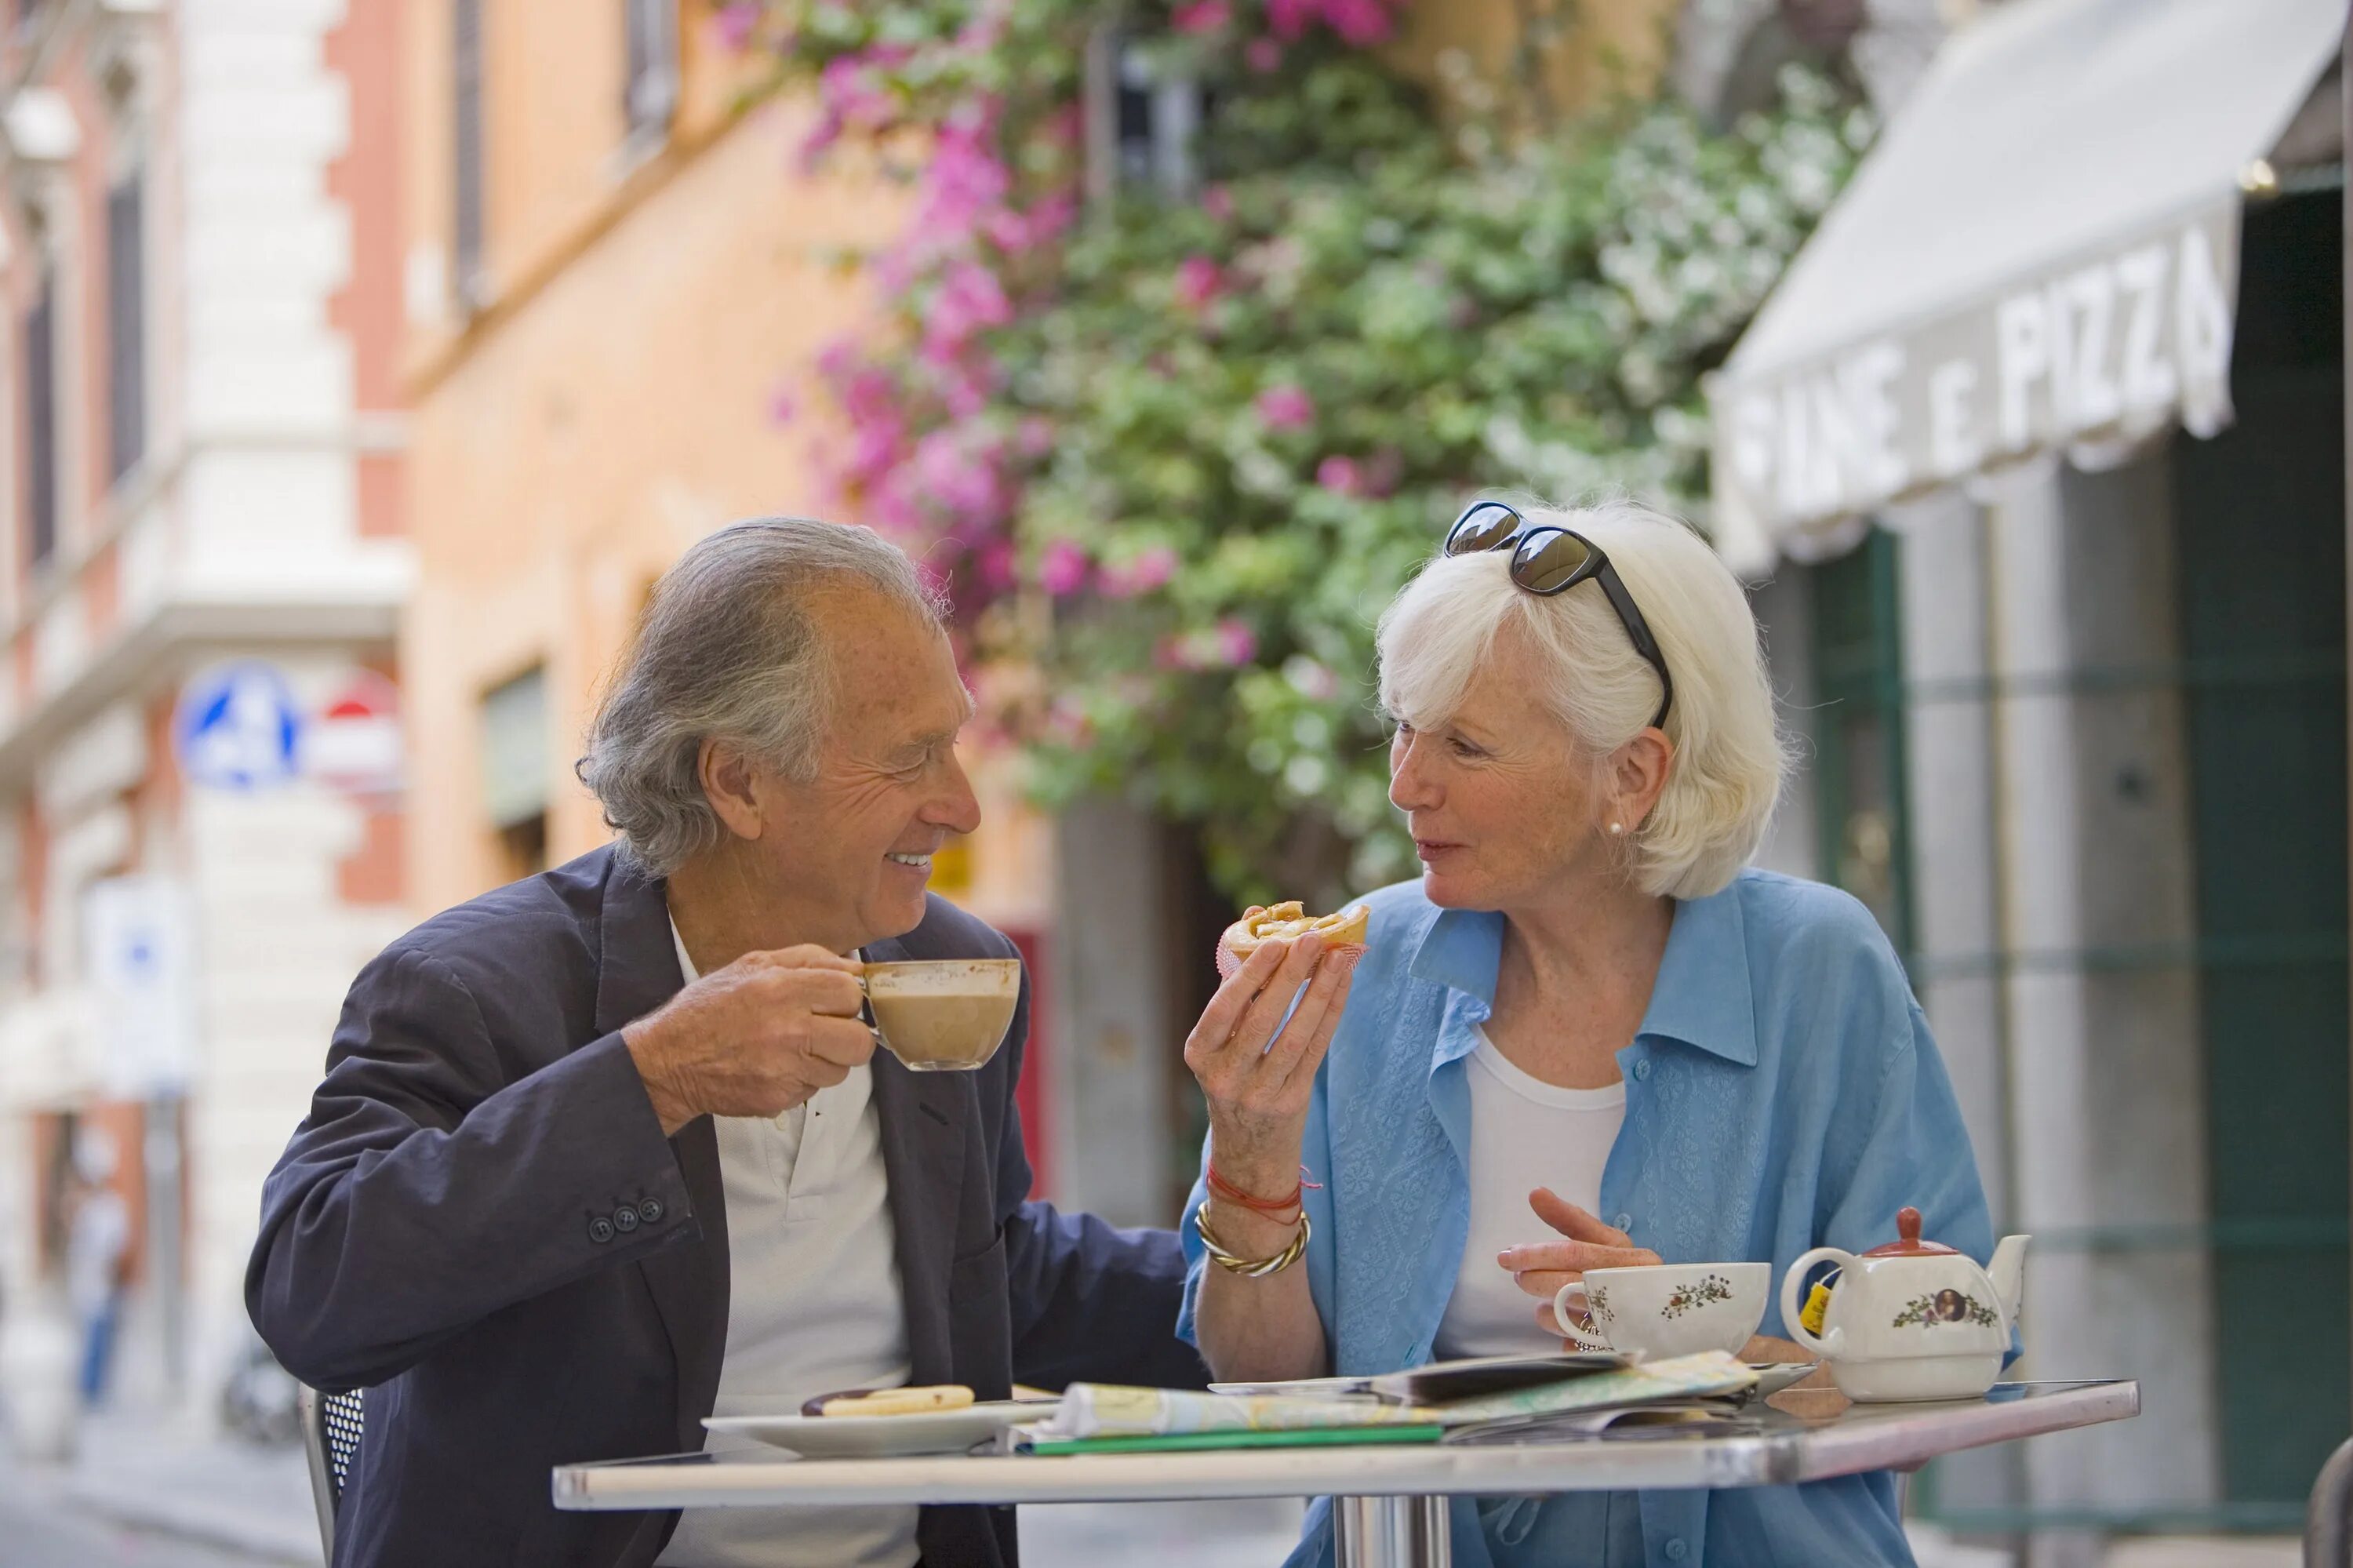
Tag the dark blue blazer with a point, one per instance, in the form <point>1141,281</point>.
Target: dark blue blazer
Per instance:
<point>482,1225</point>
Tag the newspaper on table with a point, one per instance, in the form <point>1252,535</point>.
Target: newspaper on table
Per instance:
<point>1110,1410</point>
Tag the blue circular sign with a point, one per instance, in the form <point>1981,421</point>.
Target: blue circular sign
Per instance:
<point>238,728</point>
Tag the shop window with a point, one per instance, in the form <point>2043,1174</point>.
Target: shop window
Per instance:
<point>126,323</point>
<point>467,221</point>
<point>515,761</point>
<point>1858,733</point>
<point>39,371</point>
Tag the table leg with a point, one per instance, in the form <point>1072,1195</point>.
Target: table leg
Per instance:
<point>1391,1532</point>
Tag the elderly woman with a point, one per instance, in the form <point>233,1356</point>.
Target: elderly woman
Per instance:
<point>1589,1036</point>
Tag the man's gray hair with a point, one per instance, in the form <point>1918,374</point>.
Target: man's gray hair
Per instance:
<point>728,650</point>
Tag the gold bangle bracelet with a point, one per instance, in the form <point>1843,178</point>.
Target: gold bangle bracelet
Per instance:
<point>1250,1267</point>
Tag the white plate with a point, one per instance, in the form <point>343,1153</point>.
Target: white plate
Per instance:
<point>881,1436</point>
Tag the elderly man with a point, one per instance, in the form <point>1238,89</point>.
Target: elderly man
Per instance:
<point>609,1150</point>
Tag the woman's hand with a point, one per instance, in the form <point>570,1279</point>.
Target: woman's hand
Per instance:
<point>1257,1095</point>
<point>1543,1267</point>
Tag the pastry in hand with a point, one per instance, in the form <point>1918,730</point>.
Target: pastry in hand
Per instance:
<point>1289,922</point>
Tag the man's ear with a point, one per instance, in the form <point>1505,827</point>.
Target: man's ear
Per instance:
<point>727,783</point>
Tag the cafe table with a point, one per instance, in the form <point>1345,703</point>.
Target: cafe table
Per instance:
<point>1389,1499</point>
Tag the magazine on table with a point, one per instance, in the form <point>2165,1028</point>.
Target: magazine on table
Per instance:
<point>1105,1410</point>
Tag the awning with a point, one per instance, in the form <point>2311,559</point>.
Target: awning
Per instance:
<point>2041,250</point>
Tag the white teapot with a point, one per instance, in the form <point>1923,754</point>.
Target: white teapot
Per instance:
<point>1911,1320</point>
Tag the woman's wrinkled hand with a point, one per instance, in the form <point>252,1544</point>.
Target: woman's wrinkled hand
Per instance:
<point>1543,1267</point>
<point>1257,1067</point>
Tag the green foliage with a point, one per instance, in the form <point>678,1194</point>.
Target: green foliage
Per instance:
<point>1259,405</point>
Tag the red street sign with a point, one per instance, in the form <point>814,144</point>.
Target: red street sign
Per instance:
<point>353,741</point>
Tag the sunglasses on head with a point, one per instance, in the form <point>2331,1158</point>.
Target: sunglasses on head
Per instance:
<point>1548,559</point>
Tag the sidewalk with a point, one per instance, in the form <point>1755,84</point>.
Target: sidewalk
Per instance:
<point>164,1473</point>
<point>160,1471</point>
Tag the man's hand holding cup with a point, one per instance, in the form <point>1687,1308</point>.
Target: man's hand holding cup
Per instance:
<point>755,1038</point>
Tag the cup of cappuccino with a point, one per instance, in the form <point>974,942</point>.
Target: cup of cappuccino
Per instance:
<point>944,1015</point>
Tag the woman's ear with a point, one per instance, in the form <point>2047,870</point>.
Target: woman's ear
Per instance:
<point>1638,775</point>
<point>728,784</point>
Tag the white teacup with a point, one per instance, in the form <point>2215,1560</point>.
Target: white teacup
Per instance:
<point>1668,1309</point>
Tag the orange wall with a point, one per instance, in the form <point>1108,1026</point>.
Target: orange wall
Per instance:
<point>573,449</point>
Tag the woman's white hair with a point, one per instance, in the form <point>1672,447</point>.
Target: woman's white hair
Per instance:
<point>1729,756</point>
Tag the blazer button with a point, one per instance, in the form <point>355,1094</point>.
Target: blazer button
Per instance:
<point>600,1230</point>
<point>624,1219</point>
<point>650,1211</point>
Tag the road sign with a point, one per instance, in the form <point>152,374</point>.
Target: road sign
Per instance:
<point>353,742</point>
<point>136,935</point>
<point>238,727</point>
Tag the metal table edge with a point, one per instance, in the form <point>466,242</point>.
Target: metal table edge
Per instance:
<point>1772,1459</point>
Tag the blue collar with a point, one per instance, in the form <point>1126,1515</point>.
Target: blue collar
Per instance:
<point>1702,997</point>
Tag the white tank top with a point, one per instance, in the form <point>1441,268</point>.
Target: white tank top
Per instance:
<point>1525,1134</point>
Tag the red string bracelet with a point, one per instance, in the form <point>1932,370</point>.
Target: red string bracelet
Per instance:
<point>1221,1188</point>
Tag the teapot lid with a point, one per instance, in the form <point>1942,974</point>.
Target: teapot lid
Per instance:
<point>1909,1243</point>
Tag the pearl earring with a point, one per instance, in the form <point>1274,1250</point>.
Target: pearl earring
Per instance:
<point>1616,827</point>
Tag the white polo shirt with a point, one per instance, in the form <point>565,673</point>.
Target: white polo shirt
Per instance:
<point>814,1306</point>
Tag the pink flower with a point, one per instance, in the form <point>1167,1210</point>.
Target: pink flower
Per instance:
<point>956,480</point>
<point>995,565</point>
<point>1202,17</point>
<point>1218,203</point>
<point>1361,23</point>
<point>1034,438</point>
<point>734,25</point>
<point>1265,55</point>
<point>875,448</point>
<point>1050,216</point>
<point>970,301</point>
<point>1147,571</point>
<point>1286,408</point>
<point>964,391</point>
<point>783,408</point>
<point>1340,475</point>
<point>847,88</point>
<point>1062,569</point>
<point>962,183</point>
<point>1288,19</point>
<point>1197,281</point>
<point>1237,643</point>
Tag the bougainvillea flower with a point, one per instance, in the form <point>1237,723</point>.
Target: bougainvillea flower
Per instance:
<point>1062,569</point>
<point>1147,572</point>
<point>1361,23</point>
<point>1340,475</point>
<point>1286,408</point>
<point>734,25</point>
<point>1198,281</point>
<point>1201,16</point>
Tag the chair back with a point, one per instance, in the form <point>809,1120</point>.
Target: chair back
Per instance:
<point>2328,1517</point>
<point>331,1426</point>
